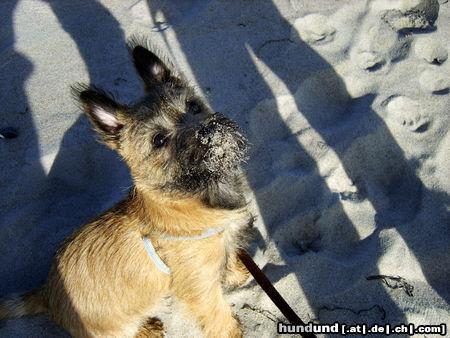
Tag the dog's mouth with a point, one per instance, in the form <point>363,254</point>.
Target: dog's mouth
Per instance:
<point>216,148</point>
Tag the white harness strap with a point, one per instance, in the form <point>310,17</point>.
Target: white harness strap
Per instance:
<point>158,261</point>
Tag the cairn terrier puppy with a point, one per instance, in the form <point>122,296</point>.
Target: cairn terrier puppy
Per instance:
<point>177,231</point>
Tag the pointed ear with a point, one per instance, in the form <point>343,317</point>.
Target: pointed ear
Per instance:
<point>149,67</point>
<point>103,112</point>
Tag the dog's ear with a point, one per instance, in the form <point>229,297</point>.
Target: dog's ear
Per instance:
<point>149,67</point>
<point>103,112</point>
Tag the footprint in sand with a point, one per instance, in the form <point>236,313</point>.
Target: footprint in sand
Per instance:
<point>313,29</point>
<point>379,44</point>
<point>434,81</point>
<point>409,113</point>
<point>431,50</point>
<point>323,99</point>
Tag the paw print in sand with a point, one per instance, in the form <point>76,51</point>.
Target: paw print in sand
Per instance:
<point>408,112</point>
<point>434,79</point>
<point>431,50</point>
<point>313,29</point>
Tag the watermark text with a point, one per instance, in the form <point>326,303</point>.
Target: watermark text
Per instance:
<point>362,329</point>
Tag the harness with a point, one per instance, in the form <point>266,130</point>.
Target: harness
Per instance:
<point>158,261</point>
<point>259,276</point>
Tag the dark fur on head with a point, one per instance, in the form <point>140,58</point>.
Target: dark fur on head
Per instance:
<point>171,140</point>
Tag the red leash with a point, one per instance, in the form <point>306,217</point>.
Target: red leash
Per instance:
<point>270,290</point>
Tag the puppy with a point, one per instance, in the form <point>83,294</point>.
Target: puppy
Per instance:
<point>177,231</point>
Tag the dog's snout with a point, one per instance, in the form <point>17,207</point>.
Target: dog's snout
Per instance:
<point>211,125</point>
<point>218,117</point>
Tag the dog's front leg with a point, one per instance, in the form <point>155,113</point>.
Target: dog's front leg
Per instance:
<point>196,283</point>
<point>235,273</point>
<point>206,302</point>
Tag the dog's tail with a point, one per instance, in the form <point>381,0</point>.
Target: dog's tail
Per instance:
<point>18,305</point>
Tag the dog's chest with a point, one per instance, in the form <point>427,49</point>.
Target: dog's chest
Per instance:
<point>206,253</point>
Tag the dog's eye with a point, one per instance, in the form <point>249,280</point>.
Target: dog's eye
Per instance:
<point>193,108</point>
<point>159,140</point>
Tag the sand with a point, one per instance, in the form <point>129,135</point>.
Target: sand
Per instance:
<point>346,104</point>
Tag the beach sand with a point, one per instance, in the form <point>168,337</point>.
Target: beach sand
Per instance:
<point>346,104</point>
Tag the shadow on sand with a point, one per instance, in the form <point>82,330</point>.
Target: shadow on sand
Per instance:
<point>77,170</point>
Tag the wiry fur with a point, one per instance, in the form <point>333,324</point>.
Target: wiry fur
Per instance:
<point>137,40</point>
<point>18,305</point>
<point>185,164</point>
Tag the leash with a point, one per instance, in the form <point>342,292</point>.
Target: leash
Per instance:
<point>251,266</point>
<point>270,290</point>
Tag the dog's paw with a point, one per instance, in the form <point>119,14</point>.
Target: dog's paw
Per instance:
<point>236,331</point>
<point>236,275</point>
<point>153,328</point>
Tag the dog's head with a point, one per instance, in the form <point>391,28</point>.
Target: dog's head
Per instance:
<point>171,140</point>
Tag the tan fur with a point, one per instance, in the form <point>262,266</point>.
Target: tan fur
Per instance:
<point>102,282</point>
<point>153,328</point>
<point>236,273</point>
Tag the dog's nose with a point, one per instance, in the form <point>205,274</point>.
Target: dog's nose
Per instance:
<point>207,129</point>
<point>210,126</point>
<point>216,118</point>
<point>213,123</point>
